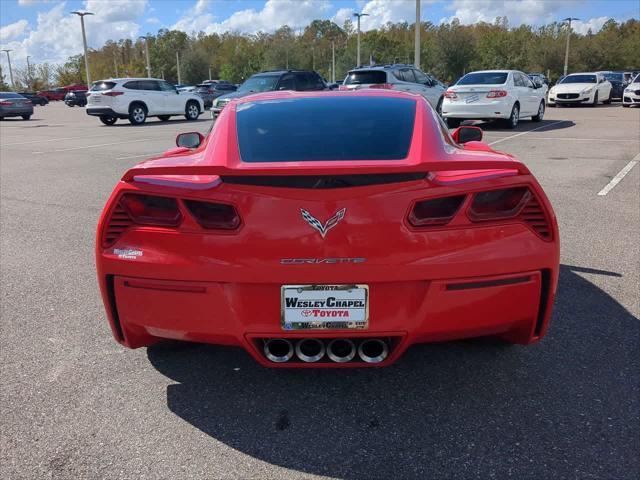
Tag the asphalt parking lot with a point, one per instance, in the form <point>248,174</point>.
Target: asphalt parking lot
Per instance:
<point>74,404</point>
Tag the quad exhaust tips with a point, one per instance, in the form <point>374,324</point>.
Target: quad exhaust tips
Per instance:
<point>373,350</point>
<point>310,350</point>
<point>338,350</point>
<point>341,350</point>
<point>278,350</point>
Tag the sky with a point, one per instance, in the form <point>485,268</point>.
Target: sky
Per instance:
<point>45,29</point>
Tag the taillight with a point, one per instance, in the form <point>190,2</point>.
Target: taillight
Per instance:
<point>496,94</point>
<point>450,94</point>
<point>435,212</point>
<point>385,86</point>
<point>112,94</point>
<point>5,102</point>
<point>343,87</point>
<point>498,204</point>
<point>219,216</point>
<point>152,210</point>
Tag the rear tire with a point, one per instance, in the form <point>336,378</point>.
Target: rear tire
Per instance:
<point>540,115</point>
<point>164,118</point>
<point>453,122</point>
<point>137,114</point>
<point>514,118</point>
<point>108,120</point>
<point>609,100</point>
<point>192,111</point>
<point>26,117</point>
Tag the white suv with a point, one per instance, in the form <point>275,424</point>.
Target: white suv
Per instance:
<point>508,95</point>
<point>401,77</point>
<point>139,98</point>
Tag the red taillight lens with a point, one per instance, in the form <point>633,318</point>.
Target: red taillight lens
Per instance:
<point>343,87</point>
<point>152,210</point>
<point>219,216</point>
<point>435,212</point>
<point>112,94</point>
<point>385,86</point>
<point>5,102</point>
<point>496,94</point>
<point>450,94</point>
<point>498,204</point>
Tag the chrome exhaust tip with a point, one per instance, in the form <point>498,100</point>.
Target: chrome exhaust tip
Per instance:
<point>373,350</point>
<point>341,350</point>
<point>278,350</point>
<point>310,350</point>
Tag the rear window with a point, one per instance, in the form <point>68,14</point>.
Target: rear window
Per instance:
<point>101,86</point>
<point>580,79</point>
<point>365,77</point>
<point>484,78</point>
<point>329,128</point>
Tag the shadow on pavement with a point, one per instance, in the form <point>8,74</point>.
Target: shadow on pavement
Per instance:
<point>523,126</point>
<point>152,122</point>
<point>564,408</point>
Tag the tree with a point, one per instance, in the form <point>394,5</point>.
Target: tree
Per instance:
<point>4,87</point>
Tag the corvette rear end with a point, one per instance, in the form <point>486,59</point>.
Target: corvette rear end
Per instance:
<point>328,229</point>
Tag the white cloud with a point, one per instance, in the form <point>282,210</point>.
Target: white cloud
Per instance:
<point>342,15</point>
<point>13,30</point>
<point>28,3</point>
<point>274,14</point>
<point>201,6</point>
<point>517,11</point>
<point>383,11</point>
<point>57,34</point>
<point>593,24</point>
<point>153,20</point>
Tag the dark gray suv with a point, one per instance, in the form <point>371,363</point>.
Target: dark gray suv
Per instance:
<point>300,80</point>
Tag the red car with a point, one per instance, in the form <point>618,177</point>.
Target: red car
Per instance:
<point>330,229</point>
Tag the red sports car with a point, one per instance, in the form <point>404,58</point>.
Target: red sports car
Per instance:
<point>328,229</point>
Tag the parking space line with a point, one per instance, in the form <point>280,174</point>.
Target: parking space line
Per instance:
<point>153,154</point>
<point>621,174</point>
<point>54,140</point>
<point>95,146</point>
<point>528,131</point>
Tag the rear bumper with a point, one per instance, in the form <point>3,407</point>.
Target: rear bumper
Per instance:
<point>16,112</point>
<point>477,111</point>
<point>146,302</point>
<point>104,111</point>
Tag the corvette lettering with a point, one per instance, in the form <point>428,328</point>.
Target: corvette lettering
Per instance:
<point>319,261</point>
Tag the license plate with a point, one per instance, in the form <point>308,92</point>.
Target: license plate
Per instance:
<point>472,98</point>
<point>324,307</point>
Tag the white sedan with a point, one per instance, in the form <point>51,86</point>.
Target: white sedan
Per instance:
<point>508,95</point>
<point>631,95</point>
<point>581,88</point>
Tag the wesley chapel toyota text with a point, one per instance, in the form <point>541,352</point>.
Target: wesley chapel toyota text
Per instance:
<point>329,229</point>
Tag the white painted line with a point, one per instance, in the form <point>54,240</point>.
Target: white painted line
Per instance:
<point>596,140</point>
<point>528,131</point>
<point>621,174</point>
<point>153,154</point>
<point>54,140</point>
<point>96,146</point>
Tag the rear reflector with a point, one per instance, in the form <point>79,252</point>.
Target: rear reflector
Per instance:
<point>217,216</point>
<point>112,94</point>
<point>498,204</point>
<point>152,210</point>
<point>436,212</point>
<point>118,223</point>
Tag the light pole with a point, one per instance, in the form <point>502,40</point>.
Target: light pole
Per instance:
<point>84,41</point>
<point>210,71</point>
<point>146,52</point>
<point>178,66</point>
<point>417,27</point>
<point>358,16</point>
<point>566,52</point>
<point>28,73</point>
<point>333,61</point>
<point>13,84</point>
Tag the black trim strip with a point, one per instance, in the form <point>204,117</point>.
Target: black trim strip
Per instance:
<point>488,283</point>
<point>545,282</point>
<point>323,181</point>
<point>111,293</point>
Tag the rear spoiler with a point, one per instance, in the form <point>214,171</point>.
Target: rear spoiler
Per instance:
<point>284,169</point>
